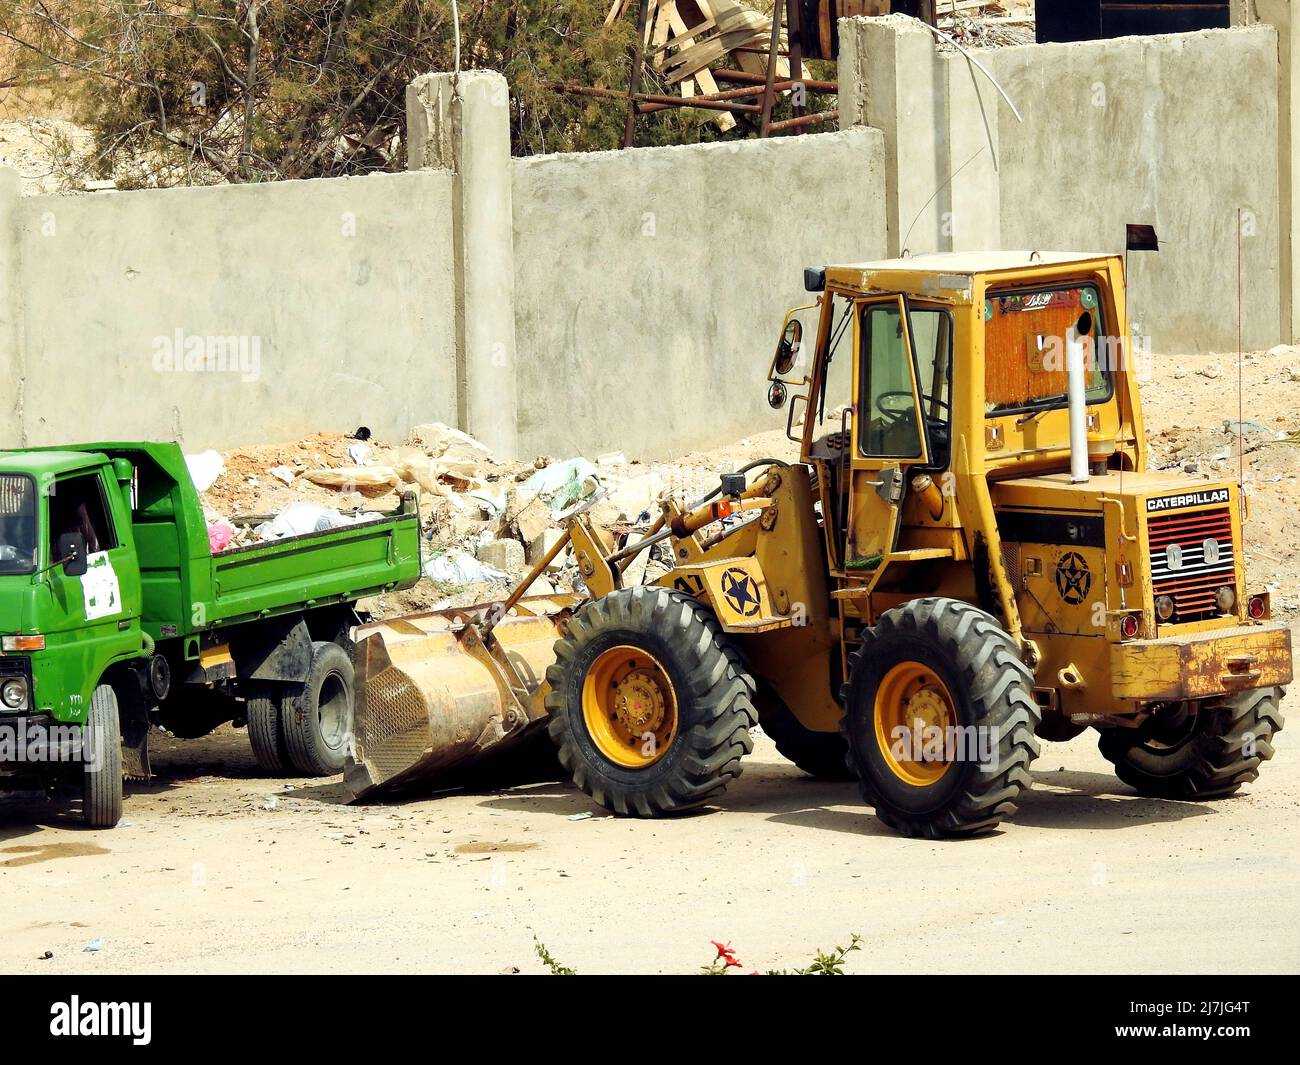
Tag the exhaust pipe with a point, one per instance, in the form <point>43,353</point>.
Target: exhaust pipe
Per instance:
<point>1077,391</point>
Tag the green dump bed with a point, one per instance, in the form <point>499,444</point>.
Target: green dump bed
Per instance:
<point>187,589</point>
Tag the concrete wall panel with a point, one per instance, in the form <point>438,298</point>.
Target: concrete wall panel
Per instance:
<point>344,288</point>
<point>651,283</point>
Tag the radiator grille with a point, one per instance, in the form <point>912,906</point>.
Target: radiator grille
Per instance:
<point>1183,562</point>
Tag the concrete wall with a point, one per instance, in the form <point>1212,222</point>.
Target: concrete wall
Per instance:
<point>650,284</point>
<point>1178,131</point>
<point>341,287</point>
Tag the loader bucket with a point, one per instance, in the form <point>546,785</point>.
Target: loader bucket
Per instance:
<point>434,698</point>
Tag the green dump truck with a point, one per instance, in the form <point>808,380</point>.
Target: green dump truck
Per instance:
<point>116,615</point>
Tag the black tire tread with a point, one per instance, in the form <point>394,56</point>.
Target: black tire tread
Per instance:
<point>265,732</point>
<point>719,680</point>
<point>102,787</point>
<point>298,723</point>
<point>1221,762</point>
<point>1002,687</point>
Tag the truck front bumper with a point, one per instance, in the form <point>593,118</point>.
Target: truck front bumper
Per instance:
<point>1202,665</point>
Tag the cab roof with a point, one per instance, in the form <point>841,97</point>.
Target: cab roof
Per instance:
<point>47,462</point>
<point>974,262</point>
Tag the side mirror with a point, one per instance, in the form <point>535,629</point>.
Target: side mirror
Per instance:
<point>788,347</point>
<point>72,554</point>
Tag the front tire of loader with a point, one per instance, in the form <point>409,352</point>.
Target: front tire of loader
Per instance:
<point>953,668</point>
<point>1220,749</point>
<point>101,779</point>
<point>650,705</point>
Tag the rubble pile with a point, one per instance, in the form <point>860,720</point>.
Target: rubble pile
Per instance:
<point>485,522</point>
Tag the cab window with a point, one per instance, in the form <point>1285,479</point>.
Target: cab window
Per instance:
<point>17,523</point>
<point>77,504</point>
<point>1024,348</point>
<point>888,405</point>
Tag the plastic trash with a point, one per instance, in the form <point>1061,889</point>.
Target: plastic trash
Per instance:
<point>205,468</point>
<point>561,484</point>
<point>220,533</point>
<point>298,519</point>
<point>93,946</point>
<point>460,567</point>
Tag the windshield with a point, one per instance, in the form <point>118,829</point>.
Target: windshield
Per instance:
<point>17,523</point>
<point>1024,348</point>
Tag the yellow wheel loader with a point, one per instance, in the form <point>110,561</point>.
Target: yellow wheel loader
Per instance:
<point>970,557</point>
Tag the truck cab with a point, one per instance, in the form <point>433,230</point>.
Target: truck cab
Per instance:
<point>116,615</point>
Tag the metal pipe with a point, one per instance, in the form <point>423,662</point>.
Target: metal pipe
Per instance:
<point>745,77</point>
<point>1077,391</point>
<point>803,120</point>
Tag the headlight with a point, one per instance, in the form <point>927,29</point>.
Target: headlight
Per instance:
<point>1164,607</point>
<point>1226,599</point>
<point>14,694</point>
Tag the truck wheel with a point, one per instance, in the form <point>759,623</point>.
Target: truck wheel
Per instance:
<point>265,731</point>
<point>953,669</point>
<point>317,720</point>
<point>1206,754</point>
<point>823,755</point>
<point>101,781</point>
<point>650,705</point>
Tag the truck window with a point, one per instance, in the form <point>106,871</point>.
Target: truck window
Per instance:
<point>1024,348</point>
<point>77,504</point>
<point>17,523</point>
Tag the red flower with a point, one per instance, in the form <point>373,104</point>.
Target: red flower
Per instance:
<point>725,953</point>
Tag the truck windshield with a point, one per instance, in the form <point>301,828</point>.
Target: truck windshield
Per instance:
<point>1024,348</point>
<point>17,523</point>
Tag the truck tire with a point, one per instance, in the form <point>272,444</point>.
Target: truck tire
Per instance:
<point>823,755</point>
<point>101,782</point>
<point>650,704</point>
<point>265,731</point>
<point>951,666</point>
<point>1220,749</point>
<point>317,719</point>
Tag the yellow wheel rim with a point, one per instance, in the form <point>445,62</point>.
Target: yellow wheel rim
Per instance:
<point>629,707</point>
<point>911,703</point>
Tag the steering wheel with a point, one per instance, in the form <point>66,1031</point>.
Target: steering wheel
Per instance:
<point>894,406</point>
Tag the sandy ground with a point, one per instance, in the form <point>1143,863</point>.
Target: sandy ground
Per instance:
<point>218,870</point>
<point>203,877</point>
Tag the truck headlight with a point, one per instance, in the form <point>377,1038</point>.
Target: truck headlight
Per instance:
<point>13,693</point>
<point>1164,607</point>
<point>1226,599</point>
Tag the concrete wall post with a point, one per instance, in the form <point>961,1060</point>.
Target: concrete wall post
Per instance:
<point>1285,18</point>
<point>940,121</point>
<point>461,123</point>
<point>12,367</point>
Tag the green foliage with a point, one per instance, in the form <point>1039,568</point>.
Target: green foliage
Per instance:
<point>826,963</point>
<point>556,969</point>
<point>256,90</point>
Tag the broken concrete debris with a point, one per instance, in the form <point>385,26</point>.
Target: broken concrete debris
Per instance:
<point>485,521</point>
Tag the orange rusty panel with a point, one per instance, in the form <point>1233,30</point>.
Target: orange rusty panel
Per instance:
<point>1011,374</point>
<point>1200,665</point>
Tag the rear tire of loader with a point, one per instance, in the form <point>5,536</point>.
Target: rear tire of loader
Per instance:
<point>823,755</point>
<point>318,719</point>
<point>949,664</point>
<point>650,704</point>
<point>101,783</point>
<point>1222,750</point>
<point>265,732</point>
